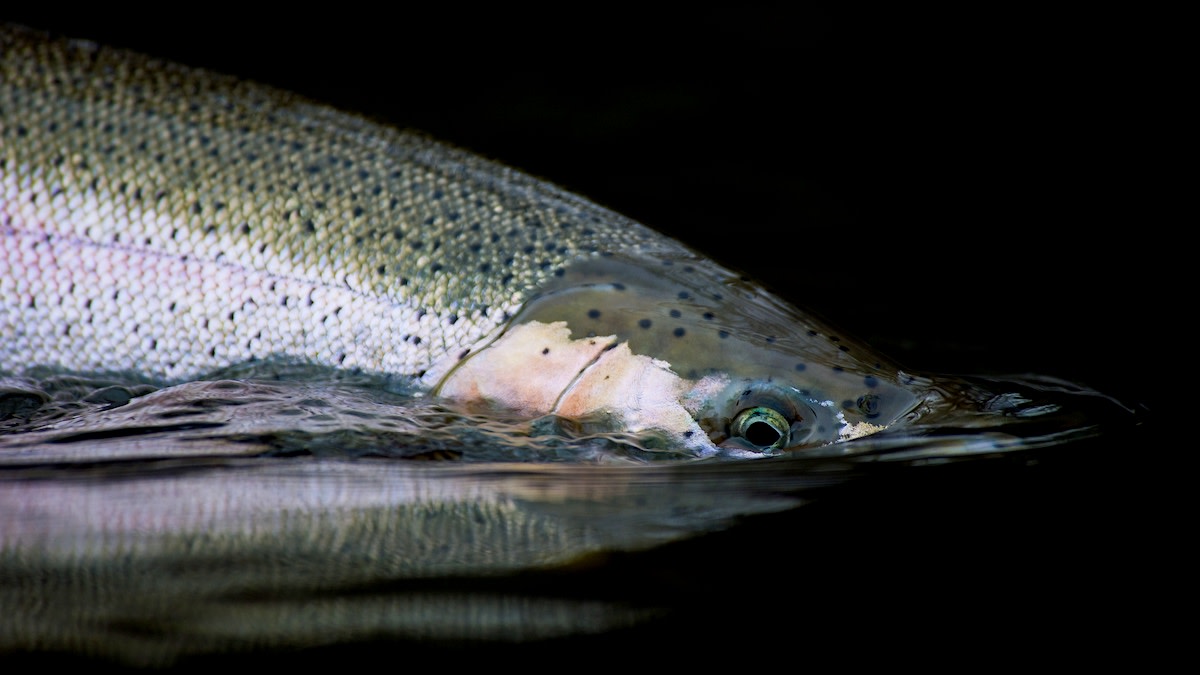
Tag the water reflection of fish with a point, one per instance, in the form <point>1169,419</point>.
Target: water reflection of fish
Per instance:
<point>173,235</point>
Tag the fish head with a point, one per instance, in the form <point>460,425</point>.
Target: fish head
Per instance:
<point>671,346</point>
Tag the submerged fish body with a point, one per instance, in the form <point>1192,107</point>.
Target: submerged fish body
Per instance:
<point>169,222</point>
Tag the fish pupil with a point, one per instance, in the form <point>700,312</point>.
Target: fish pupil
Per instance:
<point>762,434</point>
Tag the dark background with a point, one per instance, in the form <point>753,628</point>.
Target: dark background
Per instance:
<point>982,192</point>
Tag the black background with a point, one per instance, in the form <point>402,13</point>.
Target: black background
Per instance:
<point>979,192</point>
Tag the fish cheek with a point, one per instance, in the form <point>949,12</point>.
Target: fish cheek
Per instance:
<point>526,370</point>
<point>634,393</point>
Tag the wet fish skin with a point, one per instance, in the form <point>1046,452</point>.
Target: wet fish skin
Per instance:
<point>300,230</point>
<point>169,221</point>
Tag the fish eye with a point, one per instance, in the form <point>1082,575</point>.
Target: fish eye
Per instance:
<point>762,427</point>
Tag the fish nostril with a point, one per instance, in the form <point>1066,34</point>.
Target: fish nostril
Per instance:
<point>868,404</point>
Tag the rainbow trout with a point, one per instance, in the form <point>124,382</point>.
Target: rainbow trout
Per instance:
<point>168,228</point>
<point>165,221</point>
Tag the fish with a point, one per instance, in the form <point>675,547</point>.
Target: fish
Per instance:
<point>170,222</point>
<point>171,229</point>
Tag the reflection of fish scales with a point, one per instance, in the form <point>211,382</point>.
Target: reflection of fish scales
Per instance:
<point>169,221</point>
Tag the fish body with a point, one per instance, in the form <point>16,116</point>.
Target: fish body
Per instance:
<point>167,221</point>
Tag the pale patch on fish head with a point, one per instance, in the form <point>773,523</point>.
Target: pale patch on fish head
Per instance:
<point>675,345</point>
<point>537,369</point>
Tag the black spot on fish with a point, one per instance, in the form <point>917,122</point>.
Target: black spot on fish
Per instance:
<point>558,272</point>
<point>545,350</point>
<point>358,211</point>
<point>709,316</point>
<point>770,339</point>
<point>452,319</point>
<point>436,267</point>
<point>684,295</point>
<point>618,286</point>
<point>485,268</point>
<point>838,369</point>
<point>812,333</point>
<point>381,270</point>
<point>871,381</point>
<point>722,334</point>
<point>416,340</point>
<point>678,332</point>
<point>800,367</point>
<point>843,348</point>
<point>593,314</point>
<point>645,323</point>
<point>463,354</point>
<point>675,314</point>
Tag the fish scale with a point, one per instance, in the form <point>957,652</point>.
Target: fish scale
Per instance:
<point>281,227</point>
